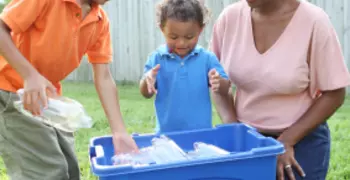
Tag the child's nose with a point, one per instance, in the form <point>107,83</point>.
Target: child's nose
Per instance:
<point>181,42</point>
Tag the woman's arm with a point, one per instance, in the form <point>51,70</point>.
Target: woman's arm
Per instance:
<point>329,75</point>
<point>223,98</point>
<point>318,113</point>
<point>324,107</point>
<point>225,107</point>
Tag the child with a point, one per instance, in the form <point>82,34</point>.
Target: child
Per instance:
<point>181,72</point>
<point>41,43</point>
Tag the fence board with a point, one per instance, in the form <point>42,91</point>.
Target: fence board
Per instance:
<point>135,34</point>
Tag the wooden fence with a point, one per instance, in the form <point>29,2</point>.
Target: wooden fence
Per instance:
<point>135,34</point>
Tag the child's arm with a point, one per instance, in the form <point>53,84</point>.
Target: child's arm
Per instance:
<point>100,55</point>
<point>148,82</point>
<point>222,97</point>
<point>108,94</point>
<point>13,56</point>
<point>17,17</point>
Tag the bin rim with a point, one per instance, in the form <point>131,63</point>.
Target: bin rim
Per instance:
<point>96,151</point>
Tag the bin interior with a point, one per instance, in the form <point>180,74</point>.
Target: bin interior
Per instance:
<point>236,139</point>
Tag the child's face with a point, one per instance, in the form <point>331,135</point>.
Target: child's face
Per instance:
<point>100,2</point>
<point>181,37</point>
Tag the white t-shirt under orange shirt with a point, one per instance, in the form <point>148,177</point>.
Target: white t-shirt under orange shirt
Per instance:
<point>276,88</point>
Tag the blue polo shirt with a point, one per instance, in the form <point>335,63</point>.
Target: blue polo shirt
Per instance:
<point>183,99</point>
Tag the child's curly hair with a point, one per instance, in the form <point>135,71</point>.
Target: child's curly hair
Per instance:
<point>182,10</point>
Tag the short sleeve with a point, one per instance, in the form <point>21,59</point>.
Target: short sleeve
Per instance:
<point>328,70</point>
<point>101,51</point>
<point>215,64</point>
<point>19,15</point>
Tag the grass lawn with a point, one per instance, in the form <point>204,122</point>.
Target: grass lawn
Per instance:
<point>138,114</point>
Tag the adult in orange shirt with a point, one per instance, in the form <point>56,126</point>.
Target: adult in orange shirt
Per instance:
<point>41,43</point>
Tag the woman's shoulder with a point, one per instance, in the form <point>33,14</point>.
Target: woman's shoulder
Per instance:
<point>315,14</point>
<point>318,20</point>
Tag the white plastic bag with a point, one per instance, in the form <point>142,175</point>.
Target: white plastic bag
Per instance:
<point>62,113</point>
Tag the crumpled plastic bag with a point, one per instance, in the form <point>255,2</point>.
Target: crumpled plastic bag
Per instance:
<point>164,150</point>
<point>62,113</point>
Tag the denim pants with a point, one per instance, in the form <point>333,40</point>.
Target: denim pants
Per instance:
<point>313,154</point>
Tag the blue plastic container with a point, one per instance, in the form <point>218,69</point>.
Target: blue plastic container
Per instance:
<point>253,157</point>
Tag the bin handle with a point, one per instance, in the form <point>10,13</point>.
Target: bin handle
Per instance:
<point>96,151</point>
<point>92,152</point>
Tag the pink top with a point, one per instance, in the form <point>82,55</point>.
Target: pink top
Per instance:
<point>275,89</point>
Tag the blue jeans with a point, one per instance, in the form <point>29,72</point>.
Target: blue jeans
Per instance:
<point>313,154</point>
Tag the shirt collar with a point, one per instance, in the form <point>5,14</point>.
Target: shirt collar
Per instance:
<point>165,51</point>
<point>95,9</point>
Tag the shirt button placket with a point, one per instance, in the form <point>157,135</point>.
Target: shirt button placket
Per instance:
<point>77,24</point>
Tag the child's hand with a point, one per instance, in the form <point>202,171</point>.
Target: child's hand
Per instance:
<point>124,143</point>
<point>36,90</point>
<point>214,80</point>
<point>151,79</point>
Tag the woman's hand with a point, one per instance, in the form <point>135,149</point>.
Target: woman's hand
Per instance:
<point>286,162</point>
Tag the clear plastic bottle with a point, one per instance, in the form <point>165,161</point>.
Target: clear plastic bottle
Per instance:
<point>166,150</point>
<point>163,150</point>
<point>62,113</point>
<point>142,158</point>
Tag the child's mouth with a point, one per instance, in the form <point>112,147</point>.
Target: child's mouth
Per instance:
<point>181,49</point>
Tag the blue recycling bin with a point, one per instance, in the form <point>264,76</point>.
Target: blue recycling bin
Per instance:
<point>252,156</point>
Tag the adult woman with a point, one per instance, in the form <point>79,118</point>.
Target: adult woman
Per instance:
<point>286,62</point>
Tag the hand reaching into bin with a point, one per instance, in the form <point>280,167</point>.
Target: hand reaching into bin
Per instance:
<point>124,143</point>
